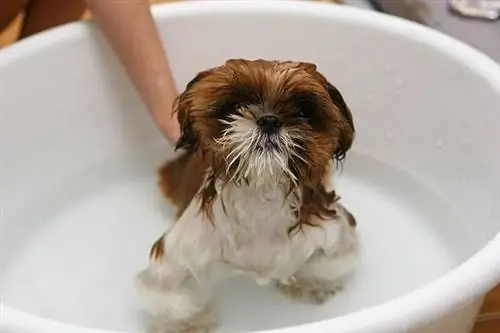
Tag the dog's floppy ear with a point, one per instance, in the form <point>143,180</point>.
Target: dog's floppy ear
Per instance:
<point>347,127</point>
<point>188,139</point>
<point>347,131</point>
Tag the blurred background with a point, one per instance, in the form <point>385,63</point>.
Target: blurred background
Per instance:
<point>475,22</point>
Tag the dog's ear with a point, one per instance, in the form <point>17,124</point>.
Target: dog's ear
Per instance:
<point>347,130</point>
<point>188,139</point>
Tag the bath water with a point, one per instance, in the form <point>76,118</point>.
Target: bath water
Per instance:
<point>96,230</point>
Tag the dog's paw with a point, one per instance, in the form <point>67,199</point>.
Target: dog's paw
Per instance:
<point>309,292</point>
<point>182,330</point>
<point>204,321</point>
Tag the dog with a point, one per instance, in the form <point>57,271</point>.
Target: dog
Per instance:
<point>253,191</point>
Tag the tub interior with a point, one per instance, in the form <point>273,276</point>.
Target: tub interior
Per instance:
<point>78,197</point>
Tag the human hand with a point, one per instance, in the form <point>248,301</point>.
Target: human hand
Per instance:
<point>168,125</point>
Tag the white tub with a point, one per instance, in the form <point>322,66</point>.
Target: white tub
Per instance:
<point>79,207</point>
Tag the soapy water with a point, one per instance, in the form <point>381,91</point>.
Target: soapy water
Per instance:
<point>97,231</point>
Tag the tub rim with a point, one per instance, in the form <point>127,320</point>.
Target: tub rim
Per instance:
<point>473,278</point>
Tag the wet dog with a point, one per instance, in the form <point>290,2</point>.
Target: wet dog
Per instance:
<point>253,191</point>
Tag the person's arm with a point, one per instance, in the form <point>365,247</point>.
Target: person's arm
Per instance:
<point>129,28</point>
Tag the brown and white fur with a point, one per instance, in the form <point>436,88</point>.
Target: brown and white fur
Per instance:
<point>253,191</point>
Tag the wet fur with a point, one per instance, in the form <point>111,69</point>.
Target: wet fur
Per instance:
<point>277,82</point>
<point>181,179</point>
<point>282,224</point>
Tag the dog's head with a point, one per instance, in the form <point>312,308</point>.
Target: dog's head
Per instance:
<point>261,119</point>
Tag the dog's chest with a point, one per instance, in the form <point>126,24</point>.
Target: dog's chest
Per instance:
<point>255,232</point>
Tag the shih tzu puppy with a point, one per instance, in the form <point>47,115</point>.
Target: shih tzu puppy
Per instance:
<point>252,190</point>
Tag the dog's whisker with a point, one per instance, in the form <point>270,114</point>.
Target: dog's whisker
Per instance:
<point>251,152</point>
<point>297,155</point>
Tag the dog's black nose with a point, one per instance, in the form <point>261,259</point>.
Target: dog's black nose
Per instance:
<point>269,123</point>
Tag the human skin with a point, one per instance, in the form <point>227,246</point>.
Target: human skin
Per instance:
<point>130,29</point>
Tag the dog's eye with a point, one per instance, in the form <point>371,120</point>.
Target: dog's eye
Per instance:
<point>224,109</point>
<point>305,113</point>
<point>306,105</point>
<point>307,110</point>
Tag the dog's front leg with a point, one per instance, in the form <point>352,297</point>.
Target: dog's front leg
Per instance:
<point>322,275</point>
<point>174,301</point>
<point>172,289</point>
